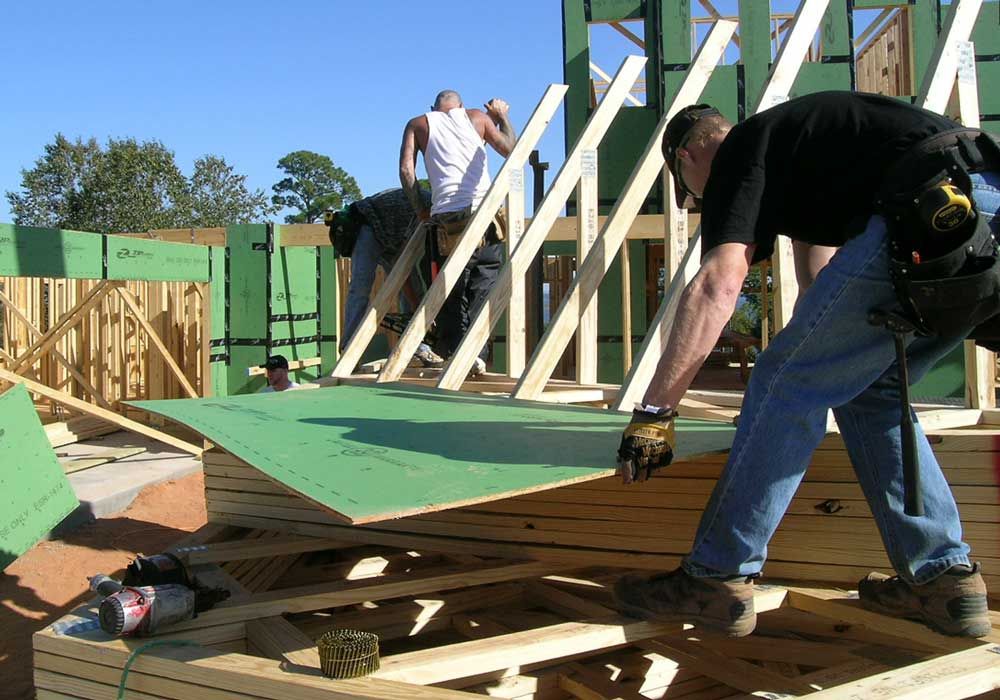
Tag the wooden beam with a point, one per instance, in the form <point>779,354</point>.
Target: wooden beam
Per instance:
<point>252,549</point>
<point>133,305</point>
<point>644,227</point>
<point>517,313</point>
<point>69,320</point>
<point>585,285</point>
<point>515,268</point>
<point>454,267</point>
<point>98,412</point>
<point>940,76</point>
<point>35,334</point>
<point>628,34</point>
<point>280,639</point>
<point>725,668</point>
<point>962,674</point>
<point>626,307</point>
<point>875,24</point>
<point>327,595</point>
<point>232,673</point>
<point>586,206</point>
<point>600,72</point>
<point>464,659</point>
<point>380,305</point>
<point>292,366</point>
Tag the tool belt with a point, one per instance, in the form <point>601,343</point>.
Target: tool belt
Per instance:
<point>449,227</point>
<point>947,278</point>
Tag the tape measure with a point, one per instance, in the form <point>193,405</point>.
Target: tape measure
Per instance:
<point>944,208</point>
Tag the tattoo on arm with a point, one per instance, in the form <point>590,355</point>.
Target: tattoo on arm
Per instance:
<point>408,169</point>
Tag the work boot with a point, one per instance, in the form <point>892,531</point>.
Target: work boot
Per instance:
<point>954,603</point>
<point>722,604</point>
<point>428,358</point>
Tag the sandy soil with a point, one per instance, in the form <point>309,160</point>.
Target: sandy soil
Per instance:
<point>51,578</point>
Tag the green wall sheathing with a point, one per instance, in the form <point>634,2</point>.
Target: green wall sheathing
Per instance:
<point>133,258</point>
<point>26,251</point>
<point>218,322</point>
<point>34,492</point>
<point>328,304</point>
<point>986,37</point>
<point>246,289</point>
<point>377,452</point>
<point>294,308</point>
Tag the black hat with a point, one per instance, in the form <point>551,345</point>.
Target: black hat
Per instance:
<point>275,362</point>
<point>673,138</point>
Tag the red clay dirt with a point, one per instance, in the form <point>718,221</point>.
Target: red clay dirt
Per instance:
<point>52,578</point>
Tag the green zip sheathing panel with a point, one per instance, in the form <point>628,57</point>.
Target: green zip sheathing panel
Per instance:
<point>372,453</point>
<point>294,330</point>
<point>218,354</point>
<point>246,289</point>
<point>34,493</point>
<point>328,320</point>
<point>131,258</point>
<point>26,251</point>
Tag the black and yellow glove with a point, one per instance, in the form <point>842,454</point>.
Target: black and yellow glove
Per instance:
<point>647,444</point>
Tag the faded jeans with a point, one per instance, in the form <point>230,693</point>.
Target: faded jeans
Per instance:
<point>366,255</point>
<point>830,357</point>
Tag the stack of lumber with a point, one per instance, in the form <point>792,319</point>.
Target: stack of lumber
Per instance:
<point>455,626</point>
<point>827,535</point>
<point>78,429</point>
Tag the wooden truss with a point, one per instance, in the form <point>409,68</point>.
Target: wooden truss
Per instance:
<point>599,243</point>
<point>460,626</point>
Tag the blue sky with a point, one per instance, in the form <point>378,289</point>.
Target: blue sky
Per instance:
<point>251,81</point>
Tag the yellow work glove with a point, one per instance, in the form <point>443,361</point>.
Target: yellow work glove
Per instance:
<point>647,444</point>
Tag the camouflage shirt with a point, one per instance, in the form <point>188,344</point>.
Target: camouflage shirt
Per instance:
<point>392,219</point>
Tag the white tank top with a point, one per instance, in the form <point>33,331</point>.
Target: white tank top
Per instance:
<point>455,159</point>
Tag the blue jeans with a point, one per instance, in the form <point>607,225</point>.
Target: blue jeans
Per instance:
<point>830,357</point>
<point>366,255</point>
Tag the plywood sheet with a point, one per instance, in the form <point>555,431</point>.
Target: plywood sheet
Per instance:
<point>34,493</point>
<point>371,453</point>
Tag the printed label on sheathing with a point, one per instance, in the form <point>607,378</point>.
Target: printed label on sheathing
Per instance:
<point>517,180</point>
<point>966,63</point>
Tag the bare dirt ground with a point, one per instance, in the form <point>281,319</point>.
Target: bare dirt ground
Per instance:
<point>52,578</point>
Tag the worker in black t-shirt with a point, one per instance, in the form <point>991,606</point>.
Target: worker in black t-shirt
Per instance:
<point>811,169</point>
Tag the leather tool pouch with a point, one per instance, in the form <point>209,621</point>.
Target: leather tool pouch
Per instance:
<point>946,283</point>
<point>450,226</point>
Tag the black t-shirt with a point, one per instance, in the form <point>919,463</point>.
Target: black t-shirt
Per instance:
<point>808,169</point>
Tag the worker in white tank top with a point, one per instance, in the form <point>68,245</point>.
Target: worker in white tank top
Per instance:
<point>453,140</point>
<point>455,158</point>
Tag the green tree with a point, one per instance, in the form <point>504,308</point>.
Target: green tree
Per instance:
<point>134,187</point>
<point>312,185</point>
<point>130,186</point>
<point>219,196</point>
<point>51,191</point>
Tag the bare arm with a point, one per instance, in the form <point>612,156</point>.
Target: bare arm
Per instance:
<point>495,126</point>
<point>705,306</point>
<point>408,170</point>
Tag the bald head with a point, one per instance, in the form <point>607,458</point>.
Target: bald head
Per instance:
<point>447,99</point>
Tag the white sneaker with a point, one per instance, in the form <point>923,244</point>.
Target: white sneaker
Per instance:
<point>429,358</point>
<point>478,367</point>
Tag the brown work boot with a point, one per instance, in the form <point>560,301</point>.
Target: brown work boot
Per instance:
<point>954,603</point>
<point>725,605</point>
